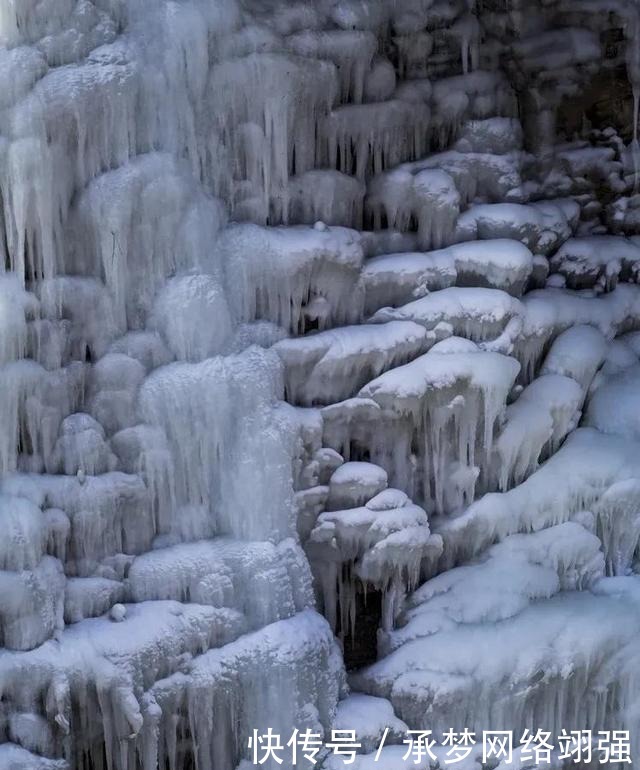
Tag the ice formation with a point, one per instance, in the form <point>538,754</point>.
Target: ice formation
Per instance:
<point>319,352</point>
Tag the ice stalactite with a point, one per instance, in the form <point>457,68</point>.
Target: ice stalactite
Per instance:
<point>229,403</point>
<point>268,137</point>
<point>368,138</point>
<point>447,405</point>
<point>138,225</point>
<point>293,275</point>
<point>352,52</point>
<point>379,539</point>
<point>42,168</point>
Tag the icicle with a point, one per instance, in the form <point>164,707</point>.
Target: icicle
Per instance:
<point>226,406</point>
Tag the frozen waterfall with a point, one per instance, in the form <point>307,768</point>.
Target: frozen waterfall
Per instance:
<point>319,382</point>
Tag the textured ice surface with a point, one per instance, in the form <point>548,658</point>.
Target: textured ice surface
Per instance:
<point>332,365</point>
<point>277,273</point>
<point>478,314</point>
<point>431,680</point>
<point>540,227</point>
<point>412,222</point>
<point>535,426</point>
<point>598,259</point>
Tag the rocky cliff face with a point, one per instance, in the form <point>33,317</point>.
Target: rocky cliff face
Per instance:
<point>320,343</point>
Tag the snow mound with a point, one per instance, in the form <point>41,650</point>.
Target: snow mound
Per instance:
<point>332,365</point>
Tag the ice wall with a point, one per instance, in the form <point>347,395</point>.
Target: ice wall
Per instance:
<point>315,309</point>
